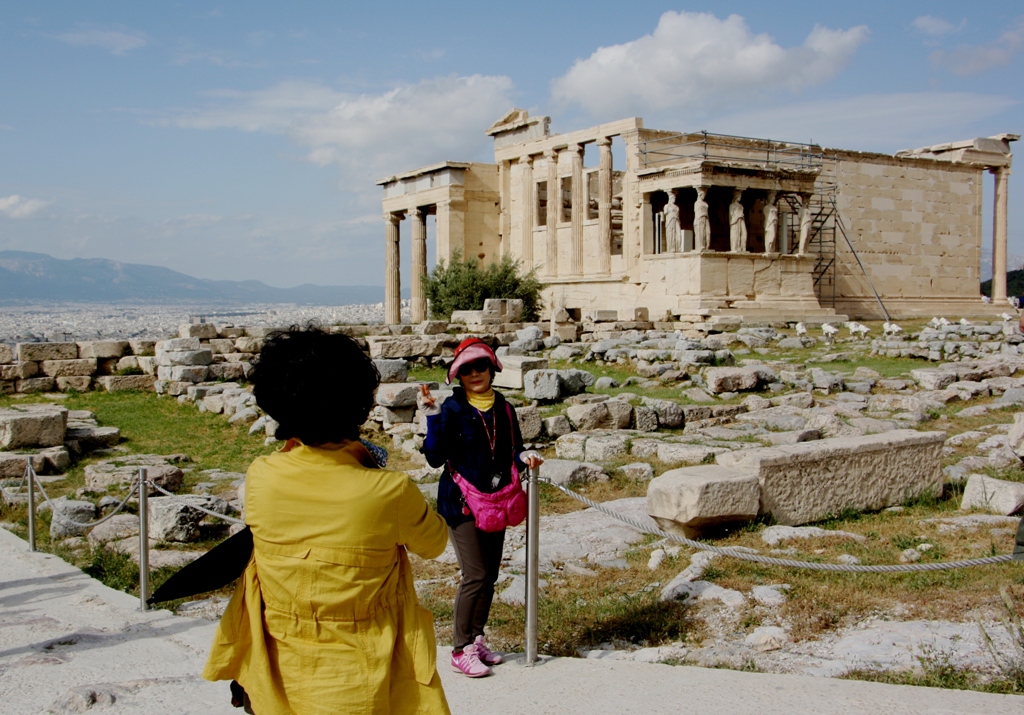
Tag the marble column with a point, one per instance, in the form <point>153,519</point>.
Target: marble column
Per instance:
<point>553,215</point>
<point>578,209</point>
<point>604,205</point>
<point>419,264</point>
<point>504,177</point>
<point>526,215</point>
<point>392,270</point>
<point>999,234</point>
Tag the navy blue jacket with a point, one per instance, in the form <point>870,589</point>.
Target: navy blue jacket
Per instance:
<point>456,439</point>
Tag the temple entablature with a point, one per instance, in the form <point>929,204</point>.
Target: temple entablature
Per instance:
<point>620,216</point>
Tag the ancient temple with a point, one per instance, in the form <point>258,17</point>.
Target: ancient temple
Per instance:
<point>693,225</point>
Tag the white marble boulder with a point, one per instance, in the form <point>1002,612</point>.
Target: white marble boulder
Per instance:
<point>996,496</point>
<point>693,499</point>
<point>810,481</point>
<point>28,426</point>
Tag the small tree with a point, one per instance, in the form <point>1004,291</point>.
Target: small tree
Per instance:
<point>463,285</point>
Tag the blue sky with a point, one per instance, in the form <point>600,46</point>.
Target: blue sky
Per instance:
<point>242,140</point>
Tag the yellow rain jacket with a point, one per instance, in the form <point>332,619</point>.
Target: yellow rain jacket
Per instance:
<point>325,618</point>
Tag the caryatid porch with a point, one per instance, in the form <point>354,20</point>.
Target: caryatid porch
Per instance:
<point>723,236</point>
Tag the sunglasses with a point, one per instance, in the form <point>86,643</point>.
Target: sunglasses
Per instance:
<point>478,365</point>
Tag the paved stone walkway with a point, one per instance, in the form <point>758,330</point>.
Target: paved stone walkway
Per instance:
<point>69,644</point>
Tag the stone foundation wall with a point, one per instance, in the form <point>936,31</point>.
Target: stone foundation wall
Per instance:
<point>916,226</point>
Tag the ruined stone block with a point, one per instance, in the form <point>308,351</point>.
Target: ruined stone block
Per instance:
<point>68,368</point>
<point>392,369</point>
<point>177,345</point>
<point>117,383</point>
<point>202,331</point>
<point>810,481</point>
<point>6,354</point>
<point>996,496</point>
<point>675,453</point>
<point>604,447</point>
<point>37,352</point>
<point>692,499</point>
<point>89,439</point>
<point>405,346</point>
<point>398,394</point>
<point>102,349</point>
<point>142,347</point>
<point>35,384</point>
<point>22,428</point>
<point>567,472</point>
<point>221,346</point>
<point>13,465</point>
<point>230,371</point>
<point>529,422</point>
<point>77,383</point>
<point>19,371</point>
<point>610,414</point>
<point>183,373</point>
<point>514,367</point>
<point>555,427</point>
<point>730,379</point>
<point>645,419</point>
<point>541,385</point>
<point>184,357</point>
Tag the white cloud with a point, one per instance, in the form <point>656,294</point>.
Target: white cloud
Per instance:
<point>873,122</point>
<point>972,59</point>
<point>936,26</point>
<point>368,135</point>
<point>15,206</point>
<point>695,60</point>
<point>117,42</point>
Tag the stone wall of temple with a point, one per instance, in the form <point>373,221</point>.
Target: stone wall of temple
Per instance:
<point>482,194</point>
<point>916,225</point>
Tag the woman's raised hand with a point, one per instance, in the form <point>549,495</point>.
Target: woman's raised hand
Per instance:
<point>427,402</point>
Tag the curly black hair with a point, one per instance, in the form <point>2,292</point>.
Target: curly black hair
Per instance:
<point>319,387</point>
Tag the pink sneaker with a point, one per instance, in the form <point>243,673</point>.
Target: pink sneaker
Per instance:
<point>488,656</point>
<point>468,663</point>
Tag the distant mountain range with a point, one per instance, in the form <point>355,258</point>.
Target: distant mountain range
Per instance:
<point>30,277</point>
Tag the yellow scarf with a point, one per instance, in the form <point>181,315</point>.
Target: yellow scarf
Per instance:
<point>482,402</point>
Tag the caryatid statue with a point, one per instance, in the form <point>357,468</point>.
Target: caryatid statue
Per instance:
<point>672,233</point>
<point>805,222</point>
<point>771,224</point>
<point>737,224</point>
<point>701,222</point>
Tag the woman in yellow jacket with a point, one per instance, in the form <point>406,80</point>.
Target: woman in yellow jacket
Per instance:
<point>325,618</point>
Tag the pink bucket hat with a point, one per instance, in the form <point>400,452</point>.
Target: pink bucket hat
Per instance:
<point>469,350</point>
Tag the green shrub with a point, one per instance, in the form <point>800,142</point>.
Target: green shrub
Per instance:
<point>464,285</point>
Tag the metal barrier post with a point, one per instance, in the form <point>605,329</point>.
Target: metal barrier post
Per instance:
<point>532,566</point>
<point>143,539</point>
<point>31,474</point>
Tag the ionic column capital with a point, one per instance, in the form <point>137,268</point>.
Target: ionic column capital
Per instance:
<point>604,142</point>
<point>550,153</point>
<point>575,149</point>
<point>394,217</point>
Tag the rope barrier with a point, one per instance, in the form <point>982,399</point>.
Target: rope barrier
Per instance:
<point>60,516</point>
<point>771,561</point>
<point>229,519</point>
<point>135,487</point>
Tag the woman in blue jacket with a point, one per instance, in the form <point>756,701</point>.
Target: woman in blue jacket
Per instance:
<point>476,435</point>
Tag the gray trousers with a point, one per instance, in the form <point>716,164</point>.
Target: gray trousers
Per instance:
<point>479,555</point>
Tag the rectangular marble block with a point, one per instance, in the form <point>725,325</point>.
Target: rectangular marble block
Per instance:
<point>810,481</point>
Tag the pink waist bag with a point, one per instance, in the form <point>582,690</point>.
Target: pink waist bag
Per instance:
<point>505,507</point>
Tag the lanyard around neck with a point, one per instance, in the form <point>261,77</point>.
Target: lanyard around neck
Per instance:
<point>492,433</point>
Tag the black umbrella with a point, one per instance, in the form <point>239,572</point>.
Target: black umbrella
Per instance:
<point>215,569</point>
